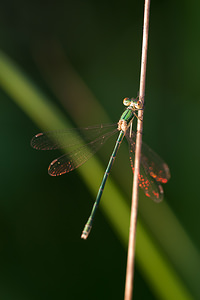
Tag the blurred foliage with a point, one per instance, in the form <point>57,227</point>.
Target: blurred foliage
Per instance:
<point>41,253</point>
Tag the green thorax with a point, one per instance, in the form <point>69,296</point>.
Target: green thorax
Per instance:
<point>127,115</point>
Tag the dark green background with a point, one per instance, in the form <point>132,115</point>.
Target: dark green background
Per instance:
<point>41,218</point>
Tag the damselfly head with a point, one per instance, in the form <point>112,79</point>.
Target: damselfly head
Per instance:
<point>134,103</point>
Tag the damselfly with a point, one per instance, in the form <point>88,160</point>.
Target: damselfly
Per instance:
<point>153,170</point>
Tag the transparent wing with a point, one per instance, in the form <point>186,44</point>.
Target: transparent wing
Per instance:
<point>152,162</point>
<point>153,169</point>
<point>69,138</point>
<point>66,139</point>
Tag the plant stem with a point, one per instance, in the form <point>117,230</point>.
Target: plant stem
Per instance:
<point>133,220</point>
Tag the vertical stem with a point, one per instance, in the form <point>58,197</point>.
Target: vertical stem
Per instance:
<point>133,220</point>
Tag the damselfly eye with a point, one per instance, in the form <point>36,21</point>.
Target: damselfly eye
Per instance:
<point>127,101</point>
<point>139,104</point>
